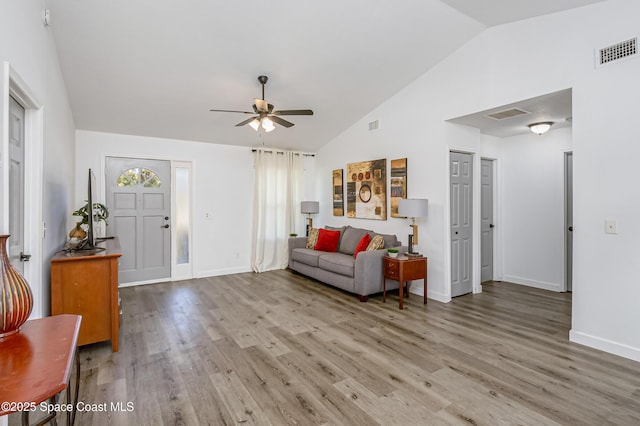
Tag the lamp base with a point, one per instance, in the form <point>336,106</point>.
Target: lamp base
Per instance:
<point>309,224</point>
<point>411,252</point>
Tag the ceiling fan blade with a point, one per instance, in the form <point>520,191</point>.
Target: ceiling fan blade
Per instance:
<point>262,105</point>
<point>293,112</point>
<point>247,121</point>
<point>281,121</point>
<point>229,110</point>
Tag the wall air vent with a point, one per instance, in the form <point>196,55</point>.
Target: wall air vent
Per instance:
<point>507,113</point>
<point>374,125</point>
<point>618,51</point>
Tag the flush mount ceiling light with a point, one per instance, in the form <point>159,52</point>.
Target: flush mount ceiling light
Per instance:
<point>540,128</point>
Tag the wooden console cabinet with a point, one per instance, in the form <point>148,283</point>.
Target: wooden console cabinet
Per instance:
<point>86,283</point>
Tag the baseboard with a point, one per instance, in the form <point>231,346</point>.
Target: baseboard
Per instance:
<point>135,283</point>
<point>219,272</point>
<point>439,297</point>
<point>533,283</point>
<point>605,345</point>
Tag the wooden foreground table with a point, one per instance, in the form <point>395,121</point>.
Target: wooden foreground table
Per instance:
<point>35,365</point>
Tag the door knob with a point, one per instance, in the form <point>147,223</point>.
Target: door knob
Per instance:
<point>165,226</point>
<point>456,232</point>
<point>24,257</point>
<point>166,218</point>
<point>571,229</point>
<point>491,225</point>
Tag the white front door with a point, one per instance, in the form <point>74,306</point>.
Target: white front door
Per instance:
<point>139,202</point>
<point>16,185</point>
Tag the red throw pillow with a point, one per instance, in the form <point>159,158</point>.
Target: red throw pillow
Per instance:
<point>362,245</point>
<point>327,240</point>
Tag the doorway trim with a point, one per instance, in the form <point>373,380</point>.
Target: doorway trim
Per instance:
<point>14,86</point>
<point>475,257</point>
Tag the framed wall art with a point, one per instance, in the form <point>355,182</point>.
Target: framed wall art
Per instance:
<point>398,184</point>
<point>367,190</point>
<point>338,193</point>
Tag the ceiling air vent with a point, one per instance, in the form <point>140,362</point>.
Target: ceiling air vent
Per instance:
<point>374,125</point>
<point>612,53</point>
<point>507,113</point>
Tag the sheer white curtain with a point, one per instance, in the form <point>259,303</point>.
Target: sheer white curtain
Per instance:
<point>278,189</point>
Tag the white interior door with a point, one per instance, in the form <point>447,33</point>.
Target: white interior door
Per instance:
<point>486,219</point>
<point>16,184</point>
<point>568,211</point>
<point>21,182</point>
<point>139,201</point>
<point>461,182</point>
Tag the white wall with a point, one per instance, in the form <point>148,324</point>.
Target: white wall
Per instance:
<point>506,64</point>
<point>29,48</point>
<point>222,184</point>
<point>530,189</point>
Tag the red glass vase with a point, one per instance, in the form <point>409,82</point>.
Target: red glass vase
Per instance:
<point>16,299</point>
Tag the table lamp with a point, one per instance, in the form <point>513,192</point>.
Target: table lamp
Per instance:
<point>309,208</point>
<point>413,207</point>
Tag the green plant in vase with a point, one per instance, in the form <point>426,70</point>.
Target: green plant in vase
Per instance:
<point>100,214</point>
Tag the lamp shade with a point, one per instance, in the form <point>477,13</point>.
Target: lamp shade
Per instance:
<point>413,207</point>
<point>310,207</point>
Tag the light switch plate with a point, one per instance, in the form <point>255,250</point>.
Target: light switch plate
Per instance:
<point>610,226</point>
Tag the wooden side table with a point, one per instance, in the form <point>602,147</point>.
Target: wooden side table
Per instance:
<point>86,283</point>
<point>36,363</point>
<point>403,269</point>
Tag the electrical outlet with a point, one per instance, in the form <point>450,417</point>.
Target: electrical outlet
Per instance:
<point>610,226</point>
<point>208,215</point>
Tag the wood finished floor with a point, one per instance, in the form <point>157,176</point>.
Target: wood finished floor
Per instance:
<point>279,348</point>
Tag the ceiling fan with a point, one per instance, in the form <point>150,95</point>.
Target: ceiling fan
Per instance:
<point>264,112</point>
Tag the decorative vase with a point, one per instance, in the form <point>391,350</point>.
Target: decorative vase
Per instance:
<point>16,300</point>
<point>78,232</point>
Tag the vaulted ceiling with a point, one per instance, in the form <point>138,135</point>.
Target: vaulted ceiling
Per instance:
<point>156,67</point>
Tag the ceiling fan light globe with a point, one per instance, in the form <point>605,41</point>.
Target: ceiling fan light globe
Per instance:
<point>255,124</point>
<point>267,124</point>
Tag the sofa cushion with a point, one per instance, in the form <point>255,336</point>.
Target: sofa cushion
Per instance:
<point>327,240</point>
<point>307,256</point>
<point>350,239</point>
<point>338,263</point>
<point>376,243</point>
<point>312,239</point>
<point>390,240</point>
<point>362,244</point>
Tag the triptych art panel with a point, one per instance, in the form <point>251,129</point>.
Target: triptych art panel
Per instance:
<point>338,193</point>
<point>398,184</point>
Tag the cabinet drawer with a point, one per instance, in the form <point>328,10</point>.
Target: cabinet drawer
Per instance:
<point>391,274</point>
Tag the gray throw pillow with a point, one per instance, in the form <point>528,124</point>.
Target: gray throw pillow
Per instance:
<point>350,239</point>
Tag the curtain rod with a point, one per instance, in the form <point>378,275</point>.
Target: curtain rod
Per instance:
<point>282,152</point>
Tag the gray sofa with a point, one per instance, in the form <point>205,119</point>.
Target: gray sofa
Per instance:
<point>361,276</point>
